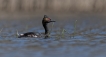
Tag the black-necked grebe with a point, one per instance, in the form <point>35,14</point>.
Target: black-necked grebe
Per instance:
<point>45,21</point>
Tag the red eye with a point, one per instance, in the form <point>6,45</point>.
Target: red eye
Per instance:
<point>49,19</point>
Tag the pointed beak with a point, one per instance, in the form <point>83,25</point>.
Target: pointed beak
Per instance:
<point>52,21</point>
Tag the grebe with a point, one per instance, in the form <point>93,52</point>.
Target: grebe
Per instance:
<point>45,21</point>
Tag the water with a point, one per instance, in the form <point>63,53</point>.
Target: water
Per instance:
<point>88,40</point>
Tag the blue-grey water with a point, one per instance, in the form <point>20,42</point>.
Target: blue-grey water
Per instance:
<point>68,38</point>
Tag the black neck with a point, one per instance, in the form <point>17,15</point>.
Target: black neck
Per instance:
<point>46,28</point>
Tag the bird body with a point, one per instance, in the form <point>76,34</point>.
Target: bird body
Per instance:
<point>45,21</point>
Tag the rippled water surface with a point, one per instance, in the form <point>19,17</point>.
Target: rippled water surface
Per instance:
<point>71,36</point>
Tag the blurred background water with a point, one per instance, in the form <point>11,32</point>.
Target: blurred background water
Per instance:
<point>69,38</point>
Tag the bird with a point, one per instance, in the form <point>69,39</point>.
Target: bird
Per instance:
<point>45,22</point>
